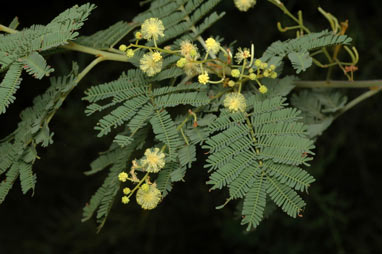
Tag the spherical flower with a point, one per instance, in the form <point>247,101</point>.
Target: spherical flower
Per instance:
<point>148,199</point>
<point>266,73</point>
<point>153,160</point>
<point>258,62</point>
<point>125,200</point>
<point>123,176</point>
<point>235,102</point>
<point>272,67</point>
<point>145,187</point>
<point>152,28</point>
<point>212,45</point>
<point>181,62</point>
<point>263,89</point>
<point>231,83</point>
<point>126,191</point>
<point>122,47</point>
<point>235,73</point>
<point>138,35</point>
<point>273,75</point>
<point>187,49</point>
<point>242,54</point>
<point>263,65</point>
<point>203,78</point>
<point>130,53</point>
<point>157,57</point>
<point>252,76</point>
<point>244,5</point>
<point>149,65</point>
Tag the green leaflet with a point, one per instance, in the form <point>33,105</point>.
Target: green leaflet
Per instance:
<point>109,37</point>
<point>21,48</point>
<point>298,49</point>
<point>300,60</point>
<point>260,157</point>
<point>9,86</point>
<point>18,150</point>
<point>35,65</point>
<point>165,131</point>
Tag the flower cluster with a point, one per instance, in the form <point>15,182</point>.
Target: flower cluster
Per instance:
<point>147,194</point>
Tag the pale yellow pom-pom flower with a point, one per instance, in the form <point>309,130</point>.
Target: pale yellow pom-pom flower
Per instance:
<point>242,54</point>
<point>235,73</point>
<point>122,47</point>
<point>212,45</point>
<point>148,198</point>
<point>149,65</point>
<point>126,191</point>
<point>235,102</point>
<point>123,176</point>
<point>203,78</point>
<point>153,160</point>
<point>244,5</point>
<point>263,89</point>
<point>152,28</point>
<point>130,53</point>
<point>125,200</point>
<point>187,49</point>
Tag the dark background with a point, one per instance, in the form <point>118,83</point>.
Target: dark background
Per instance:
<point>343,214</point>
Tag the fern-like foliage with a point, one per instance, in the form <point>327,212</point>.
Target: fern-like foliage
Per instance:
<point>319,108</point>
<point>258,153</point>
<point>18,150</point>
<point>22,49</point>
<point>298,49</point>
<point>109,37</point>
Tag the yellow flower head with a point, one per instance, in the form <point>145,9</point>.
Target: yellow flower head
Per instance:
<point>152,28</point>
<point>244,5</point>
<point>242,54</point>
<point>157,56</point>
<point>123,176</point>
<point>149,65</point>
<point>235,102</point>
<point>148,198</point>
<point>231,83</point>
<point>187,49</point>
<point>252,76</point>
<point>153,160</point>
<point>203,78</point>
<point>181,62</point>
<point>212,45</point>
<point>138,35</point>
<point>125,200</point>
<point>263,89</point>
<point>273,75</point>
<point>126,191</point>
<point>258,62</point>
<point>122,47</point>
<point>130,53</point>
<point>263,65</point>
<point>235,73</point>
